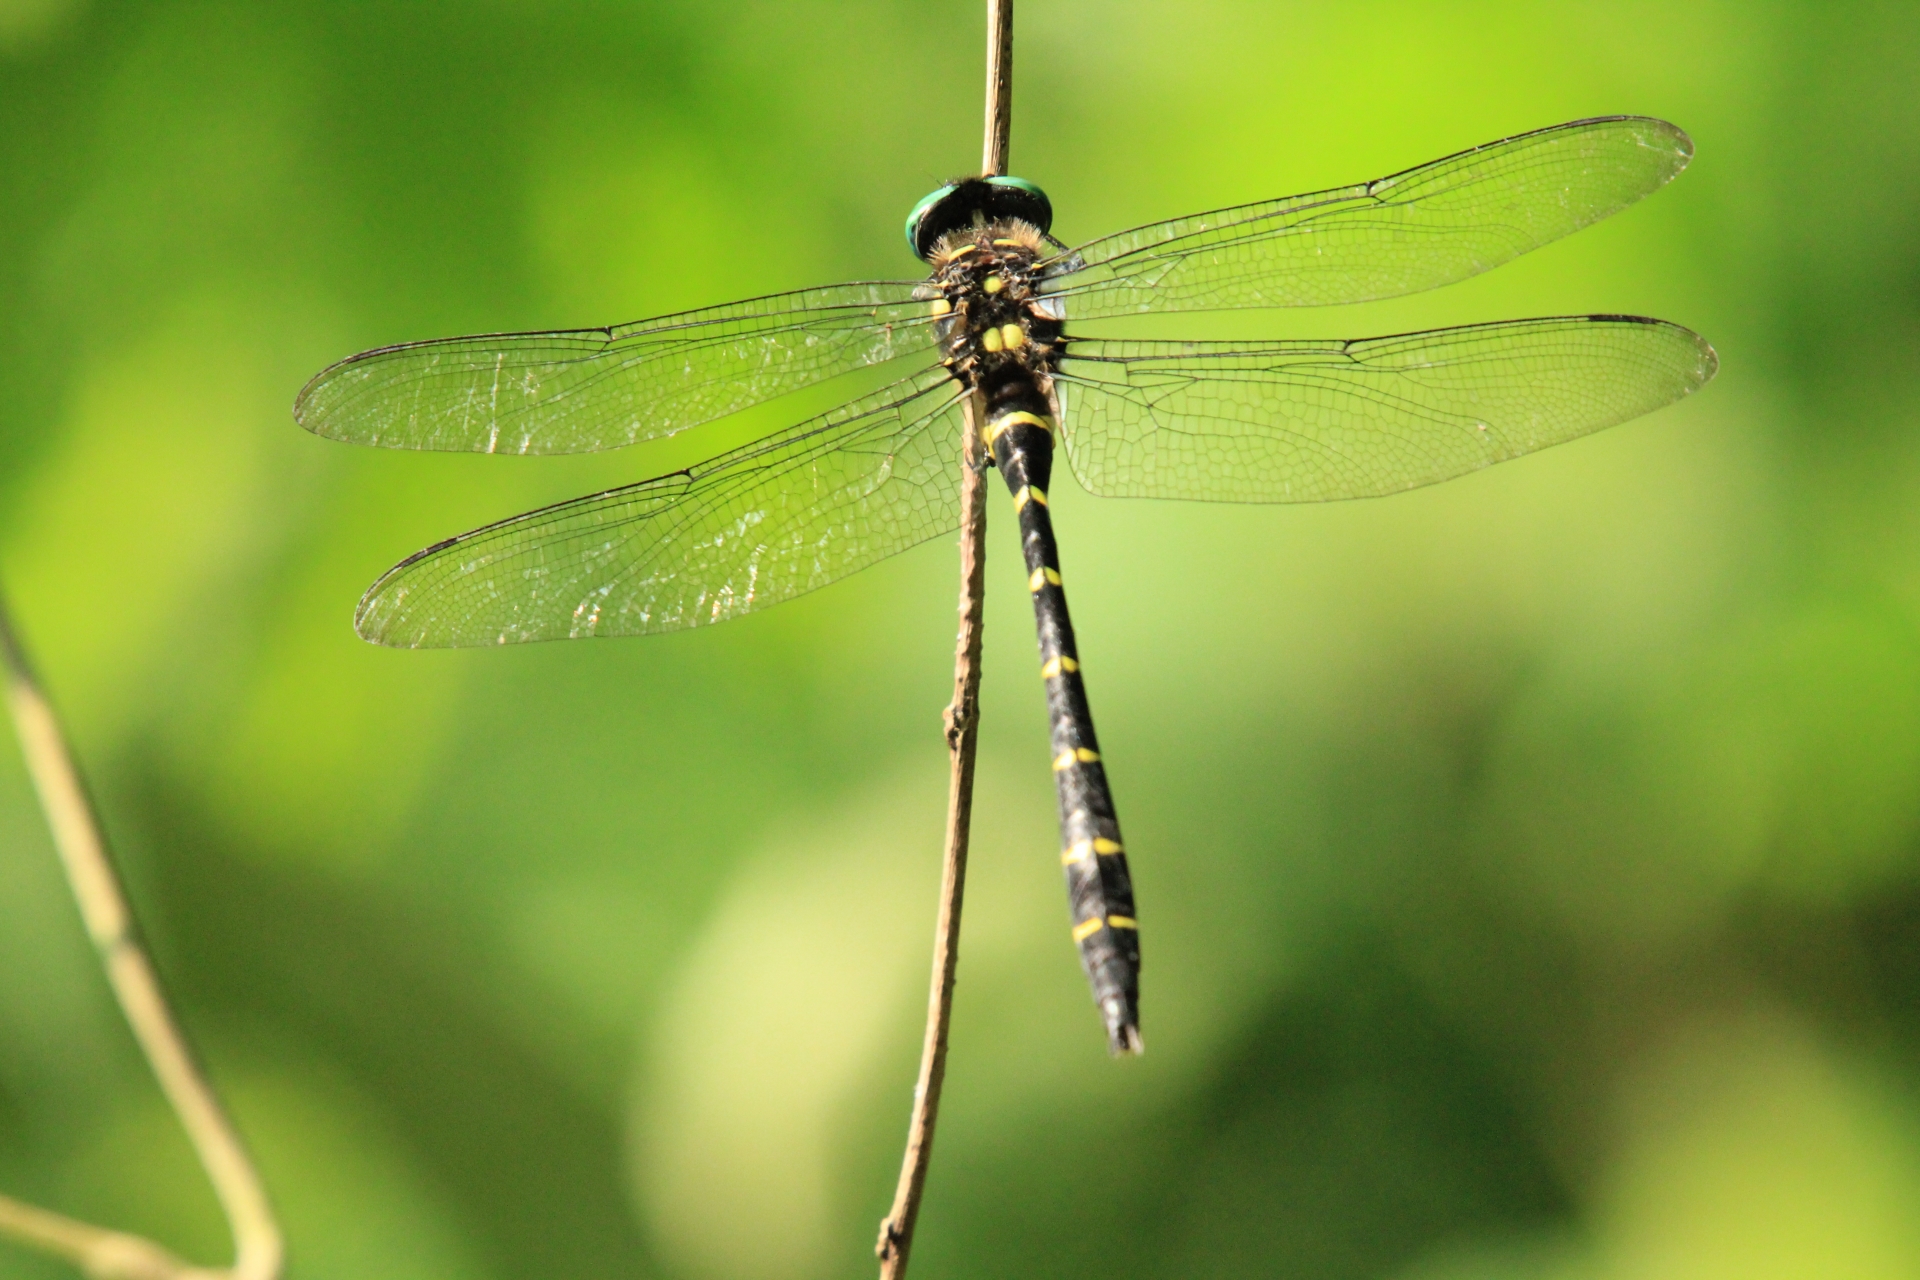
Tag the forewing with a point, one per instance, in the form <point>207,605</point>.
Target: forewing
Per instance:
<point>1315,421</point>
<point>748,529</point>
<point>581,390</point>
<point>1415,230</point>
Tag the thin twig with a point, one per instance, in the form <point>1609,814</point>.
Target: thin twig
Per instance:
<point>96,1251</point>
<point>993,158</point>
<point>962,721</point>
<point>962,724</point>
<point>109,921</point>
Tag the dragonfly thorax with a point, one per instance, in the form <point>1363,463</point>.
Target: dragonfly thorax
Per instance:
<point>992,320</point>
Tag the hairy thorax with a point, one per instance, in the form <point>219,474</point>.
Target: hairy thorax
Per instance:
<point>994,325</point>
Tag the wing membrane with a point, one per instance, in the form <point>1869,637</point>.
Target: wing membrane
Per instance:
<point>581,390</point>
<point>748,529</point>
<point>1401,234</point>
<point>1315,421</point>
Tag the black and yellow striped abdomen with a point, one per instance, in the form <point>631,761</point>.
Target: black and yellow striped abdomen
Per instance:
<point>1020,435</point>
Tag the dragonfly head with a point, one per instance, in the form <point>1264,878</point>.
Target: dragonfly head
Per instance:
<point>966,202</point>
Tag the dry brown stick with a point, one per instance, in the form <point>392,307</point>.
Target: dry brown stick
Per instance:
<point>999,87</point>
<point>962,720</point>
<point>962,723</point>
<point>104,909</point>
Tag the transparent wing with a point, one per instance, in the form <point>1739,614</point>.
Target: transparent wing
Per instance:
<point>1315,421</point>
<point>742,531</point>
<point>1415,230</point>
<point>581,390</point>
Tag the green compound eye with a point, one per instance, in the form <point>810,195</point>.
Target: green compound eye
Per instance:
<point>962,201</point>
<point>1019,184</point>
<point>1010,197</point>
<point>920,212</point>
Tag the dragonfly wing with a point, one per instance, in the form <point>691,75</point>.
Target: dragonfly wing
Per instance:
<point>1402,234</point>
<point>748,529</point>
<point>1316,421</point>
<point>581,390</point>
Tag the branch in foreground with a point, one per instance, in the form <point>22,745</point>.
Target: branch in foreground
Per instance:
<point>77,835</point>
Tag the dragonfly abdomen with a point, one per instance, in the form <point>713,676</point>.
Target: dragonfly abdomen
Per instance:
<point>1020,434</point>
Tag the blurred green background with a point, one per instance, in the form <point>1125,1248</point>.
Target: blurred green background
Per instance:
<point>1530,866</point>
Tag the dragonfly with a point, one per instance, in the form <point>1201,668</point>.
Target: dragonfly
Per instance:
<point>986,345</point>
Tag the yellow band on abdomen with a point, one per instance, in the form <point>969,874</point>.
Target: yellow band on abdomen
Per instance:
<point>1017,418</point>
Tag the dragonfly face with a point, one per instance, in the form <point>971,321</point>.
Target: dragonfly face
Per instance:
<point>1292,421</point>
<point>967,202</point>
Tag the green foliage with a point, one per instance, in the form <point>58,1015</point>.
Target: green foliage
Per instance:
<point>1529,867</point>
